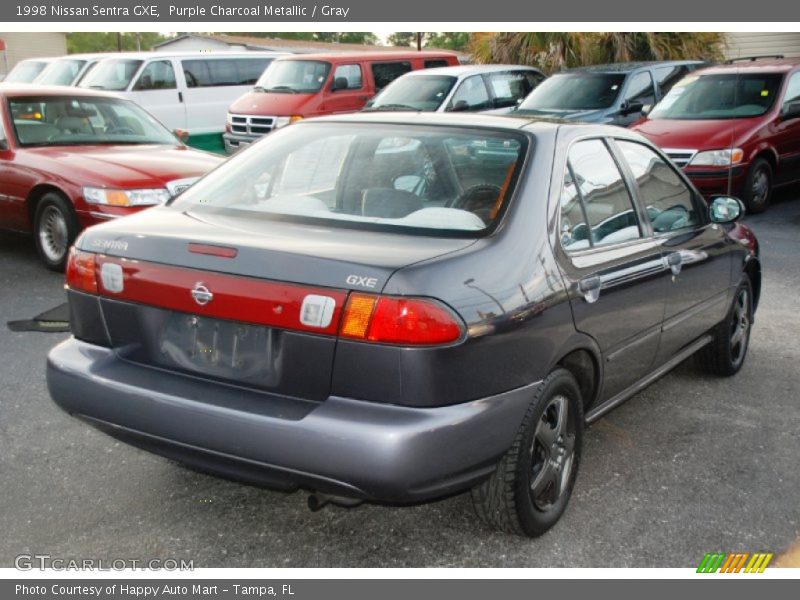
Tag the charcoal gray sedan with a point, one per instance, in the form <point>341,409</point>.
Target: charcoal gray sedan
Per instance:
<point>398,307</point>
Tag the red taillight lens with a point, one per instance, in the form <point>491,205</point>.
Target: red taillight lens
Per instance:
<point>396,320</point>
<point>82,271</point>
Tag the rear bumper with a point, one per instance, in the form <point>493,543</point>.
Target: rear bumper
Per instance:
<point>340,446</point>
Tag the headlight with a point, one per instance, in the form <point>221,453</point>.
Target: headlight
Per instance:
<point>113,197</point>
<point>282,121</point>
<point>718,158</point>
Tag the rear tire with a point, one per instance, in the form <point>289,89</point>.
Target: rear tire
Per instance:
<point>531,485</point>
<point>55,228</point>
<point>726,353</point>
<point>757,188</point>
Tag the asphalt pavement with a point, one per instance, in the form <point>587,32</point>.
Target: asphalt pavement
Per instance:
<point>691,465</point>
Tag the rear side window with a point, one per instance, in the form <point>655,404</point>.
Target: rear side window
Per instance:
<point>596,206</point>
<point>667,199</point>
<point>471,95</point>
<point>350,73</point>
<point>386,73</point>
<point>158,75</point>
<point>666,77</point>
<point>223,72</point>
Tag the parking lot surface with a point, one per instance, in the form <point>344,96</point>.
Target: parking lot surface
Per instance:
<point>692,464</point>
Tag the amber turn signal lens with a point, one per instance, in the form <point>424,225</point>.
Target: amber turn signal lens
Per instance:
<point>357,315</point>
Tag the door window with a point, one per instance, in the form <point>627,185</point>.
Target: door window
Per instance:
<point>596,206</point>
<point>386,73</point>
<point>792,90</point>
<point>666,198</point>
<point>223,72</point>
<point>435,62</point>
<point>640,89</point>
<point>158,75</point>
<point>350,73</point>
<point>471,95</point>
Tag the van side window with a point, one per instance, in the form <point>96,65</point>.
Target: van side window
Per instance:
<point>666,77</point>
<point>352,73</point>
<point>158,75</point>
<point>471,95</point>
<point>666,198</point>
<point>792,90</point>
<point>223,72</point>
<point>606,213</point>
<point>432,63</point>
<point>386,72</point>
<point>640,89</point>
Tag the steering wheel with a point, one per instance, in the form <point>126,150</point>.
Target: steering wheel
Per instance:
<point>121,131</point>
<point>479,199</point>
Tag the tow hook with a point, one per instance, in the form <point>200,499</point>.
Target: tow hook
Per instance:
<point>317,501</point>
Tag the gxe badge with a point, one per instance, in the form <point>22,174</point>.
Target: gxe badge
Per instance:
<point>201,294</point>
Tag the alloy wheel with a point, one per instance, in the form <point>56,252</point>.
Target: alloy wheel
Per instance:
<point>53,234</point>
<point>552,454</point>
<point>740,326</point>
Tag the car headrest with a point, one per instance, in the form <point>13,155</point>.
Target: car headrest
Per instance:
<point>388,203</point>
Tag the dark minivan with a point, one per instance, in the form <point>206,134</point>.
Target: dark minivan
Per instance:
<point>615,93</point>
<point>399,306</point>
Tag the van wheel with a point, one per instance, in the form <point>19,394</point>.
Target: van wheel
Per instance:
<point>55,228</point>
<point>757,190</point>
<point>725,354</point>
<point>532,484</point>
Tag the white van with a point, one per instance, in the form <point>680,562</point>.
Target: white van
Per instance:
<point>68,70</point>
<point>190,91</point>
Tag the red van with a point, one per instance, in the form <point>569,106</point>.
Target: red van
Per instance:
<point>733,128</point>
<point>310,85</point>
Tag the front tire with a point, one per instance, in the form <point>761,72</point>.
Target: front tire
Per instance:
<point>531,485</point>
<point>725,354</point>
<point>757,190</point>
<point>55,228</point>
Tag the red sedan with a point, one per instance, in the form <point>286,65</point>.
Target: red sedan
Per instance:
<point>73,158</point>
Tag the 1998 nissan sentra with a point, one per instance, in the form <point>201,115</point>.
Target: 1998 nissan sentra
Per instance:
<point>398,307</point>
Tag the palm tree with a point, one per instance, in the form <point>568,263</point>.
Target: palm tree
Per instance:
<point>552,51</point>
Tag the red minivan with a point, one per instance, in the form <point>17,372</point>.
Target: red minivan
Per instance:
<point>310,85</point>
<point>733,128</point>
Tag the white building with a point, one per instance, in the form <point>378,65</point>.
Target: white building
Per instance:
<point>20,46</point>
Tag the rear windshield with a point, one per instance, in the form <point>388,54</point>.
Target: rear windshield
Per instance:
<point>575,91</point>
<point>294,77</point>
<point>61,72</point>
<point>421,179</point>
<point>728,96</point>
<point>415,92</point>
<point>113,74</point>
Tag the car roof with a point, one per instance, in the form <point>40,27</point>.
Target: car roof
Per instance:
<point>376,56</point>
<point>759,65</point>
<point>187,54</point>
<point>31,89</point>
<point>86,56</point>
<point>627,67</point>
<point>467,70</point>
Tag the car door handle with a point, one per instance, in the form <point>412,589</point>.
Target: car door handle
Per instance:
<point>590,288</point>
<point>674,262</point>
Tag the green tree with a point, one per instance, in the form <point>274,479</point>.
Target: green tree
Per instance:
<point>448,40</point>
<point>100,41</point>
<point>402,38</point>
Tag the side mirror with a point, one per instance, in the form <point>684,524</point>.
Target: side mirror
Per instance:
<point>628,108</point>
<point>181,134</point>
<point>725,209</point>
<point>340,83</point>
<point>459,106</point>
<point>791,111</point>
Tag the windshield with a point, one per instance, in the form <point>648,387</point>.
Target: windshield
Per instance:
<point>294,76</point>
<point>369,176</point>
<point>26,71</point>
<point>68,121</point>
<point>61,72</point>
<point>575,91</point>
<point>726,96</point>
<point>111,74</point>
<point>415,92</point>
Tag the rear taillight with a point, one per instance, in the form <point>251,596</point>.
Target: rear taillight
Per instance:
<point>398,320</point>
<point>82,271</point>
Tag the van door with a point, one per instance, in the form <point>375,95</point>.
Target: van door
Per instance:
<point>156,90</point>
<point>347,91</point>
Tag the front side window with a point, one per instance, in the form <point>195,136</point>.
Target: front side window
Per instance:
<point>640,89</point>
<point>471,94</point>
<point>158,75</point>
<point>666,198</point>
<point>575,91</point>
<point>347,77</point>
<point>596,206</point>
<point>386,73</point>
<point>114,74</point>
<point>370,176</point>
<point>721,96</point>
